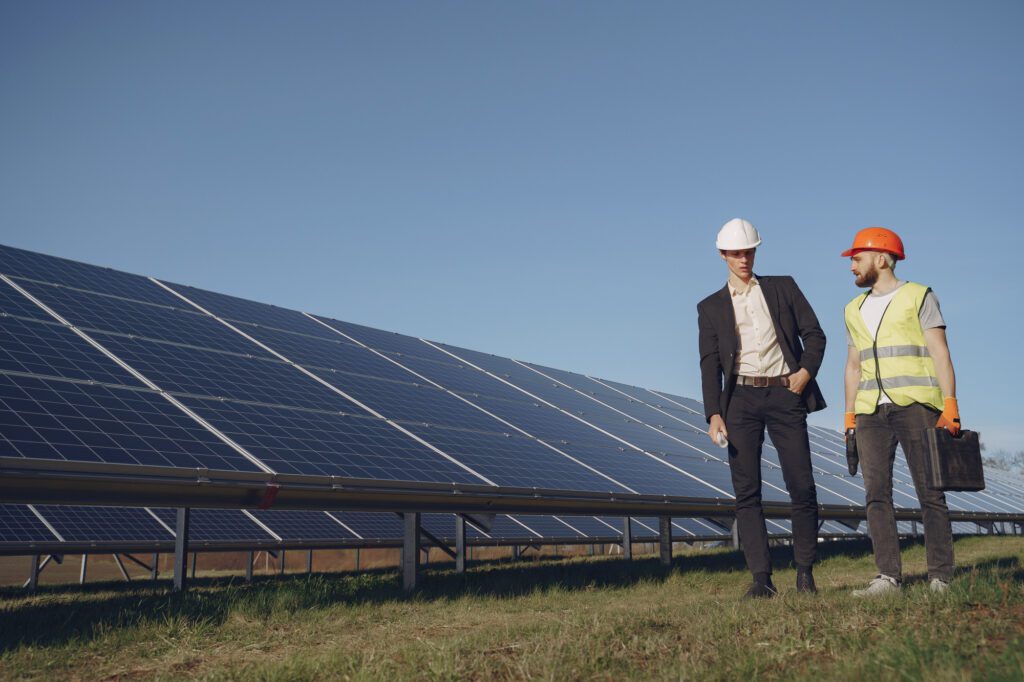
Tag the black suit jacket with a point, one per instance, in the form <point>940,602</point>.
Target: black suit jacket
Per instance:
<point>796,326</point>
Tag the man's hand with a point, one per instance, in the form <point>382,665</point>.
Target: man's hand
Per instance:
<point>798,381</point>
<point>715,427</point>
<point>950,417</point>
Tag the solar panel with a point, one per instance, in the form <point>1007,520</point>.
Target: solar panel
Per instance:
<point>63,420</point>
<point>54,350</point>
<point>380,525</point>
<point>103,524</point>
<point>26,264</point>
<point>161,322</point>
<point>61,399</point>
<point>303,525</point>
<point>217,525</point>
<point>327,443</point>
<point>19,525</point>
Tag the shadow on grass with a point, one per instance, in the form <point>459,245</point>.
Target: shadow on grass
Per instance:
<point>63,614</point>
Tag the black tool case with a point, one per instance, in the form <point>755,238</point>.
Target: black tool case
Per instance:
<point>953,463</point>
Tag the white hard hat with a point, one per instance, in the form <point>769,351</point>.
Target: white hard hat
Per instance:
<point>737,235</point>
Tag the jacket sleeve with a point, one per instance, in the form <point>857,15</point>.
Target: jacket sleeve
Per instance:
<point>710,364</point>
<point>811,335</point>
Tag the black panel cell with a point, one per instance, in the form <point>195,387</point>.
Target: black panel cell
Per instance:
<point>372,525</point>
<point>181,370</point>
<point>19,525</point>
<point>511,460</point>
<point>56,351</point>
<point>550,527</point>
<point>104,524</point>
<point>13,302</point>
<point>216,525</point>
<point>303,525</point>
<point>36,266</point>
<point>243,310</point>
<point>324,443</point>
<point>61,420</point>
<point>179,324</point>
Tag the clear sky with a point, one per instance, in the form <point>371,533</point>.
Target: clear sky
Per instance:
<point>534,179</point>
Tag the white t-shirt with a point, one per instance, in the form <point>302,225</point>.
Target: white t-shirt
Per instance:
<point>874,307</point>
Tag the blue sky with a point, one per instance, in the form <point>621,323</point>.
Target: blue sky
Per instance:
<point>533,179</point>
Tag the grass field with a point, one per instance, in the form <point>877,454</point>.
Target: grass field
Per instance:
<point>584,618</point>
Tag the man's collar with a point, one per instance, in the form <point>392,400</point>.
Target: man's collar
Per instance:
<point>735,291</point>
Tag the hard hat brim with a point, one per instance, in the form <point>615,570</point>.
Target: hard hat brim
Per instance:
<point>851,252</point>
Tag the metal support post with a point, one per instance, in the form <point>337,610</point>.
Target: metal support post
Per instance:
<point>665,540</point>
<point>124,571</point>
<point>248,566</point>
<point>281,566</point>
<point>195,560</point>
<point>181,550</point>
<point>410,551</point>
<point>81,572</point>
<point>913,527</point>
<point>460,543</point>
<point>33,576</point>
<point>309,562</point>
<point>627,539</point>
<point>357,558</point>
<point>515,552</point>
<point>156,566</point>
<point>735,534</point>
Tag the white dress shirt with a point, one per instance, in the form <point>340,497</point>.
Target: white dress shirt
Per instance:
<point>759,353</point>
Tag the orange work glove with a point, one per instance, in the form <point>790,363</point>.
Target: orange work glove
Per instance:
<point>950,417</point>
<point>849,421</point>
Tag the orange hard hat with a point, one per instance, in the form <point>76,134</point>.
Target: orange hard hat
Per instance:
<point>876,239</point>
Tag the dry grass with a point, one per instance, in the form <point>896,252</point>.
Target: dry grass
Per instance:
<point>573,619</point>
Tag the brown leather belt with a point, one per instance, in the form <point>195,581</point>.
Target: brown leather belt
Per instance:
<point>762,382</point>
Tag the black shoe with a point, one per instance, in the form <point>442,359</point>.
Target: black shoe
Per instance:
<point>761,590</point>
<point>805,581</point>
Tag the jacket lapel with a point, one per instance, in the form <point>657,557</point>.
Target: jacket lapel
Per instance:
<point>771,297</point>
<point>727,331</point>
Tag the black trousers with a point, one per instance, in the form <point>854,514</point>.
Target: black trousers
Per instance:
<point>783,413</point>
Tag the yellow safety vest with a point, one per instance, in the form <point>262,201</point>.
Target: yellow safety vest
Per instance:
<point>897,360</point>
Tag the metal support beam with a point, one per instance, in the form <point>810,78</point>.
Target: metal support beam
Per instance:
<point>515,552</point>
<point>627,539</point>
<point>195,560</point>
<point>120,566</point>
<point>913,528</point>
<point>81,572</point>
<point>357,558</point>
<point>280,567</point>
<point>181,549</point>
<point>665,539</point>
<point>250,558</point>
<point>735,534</point>
<point>309,562</point>
<point>33,576</point>
<point>156,566</point>
<point>410,550</point>
<point>460,543</point>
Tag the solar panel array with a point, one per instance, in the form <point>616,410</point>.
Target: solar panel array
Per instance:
<point>102,366</point>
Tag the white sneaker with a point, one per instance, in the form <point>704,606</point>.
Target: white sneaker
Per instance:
<point>880,585</point>
<point>938,586</point>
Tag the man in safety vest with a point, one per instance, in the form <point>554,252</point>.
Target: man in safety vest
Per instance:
<point>899,383</point>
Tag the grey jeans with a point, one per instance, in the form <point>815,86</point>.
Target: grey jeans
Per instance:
<point>877,436</point>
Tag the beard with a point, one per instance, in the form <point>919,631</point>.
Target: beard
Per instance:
<point>867,279</point>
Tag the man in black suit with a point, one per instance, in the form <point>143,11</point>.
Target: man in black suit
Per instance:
<point>760,348</point>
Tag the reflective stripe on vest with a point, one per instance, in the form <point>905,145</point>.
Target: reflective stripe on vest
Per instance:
<point>897,360</point>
